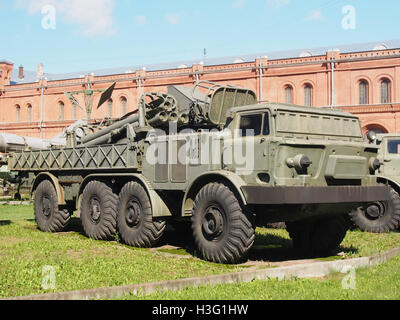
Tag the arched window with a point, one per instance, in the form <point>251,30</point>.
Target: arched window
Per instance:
<point>308,91</point>
<point>385,91</point>
<point>110,108</point>
<point>376,128</point>
<point>61,110</point>
<point>29,112</point>
<point>289,94</point>
<point>364,92</point>
<point>124,103</point>
<point>18,112</point>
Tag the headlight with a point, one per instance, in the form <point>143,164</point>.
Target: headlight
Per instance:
<point>374,164</point>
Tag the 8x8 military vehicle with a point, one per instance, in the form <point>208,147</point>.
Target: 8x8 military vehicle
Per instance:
<point>214,156</point>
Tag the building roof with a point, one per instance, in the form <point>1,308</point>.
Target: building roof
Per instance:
<point>6,61</point>
<point>31,76</point>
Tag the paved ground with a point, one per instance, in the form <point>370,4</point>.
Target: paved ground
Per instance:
<point>15,203</point>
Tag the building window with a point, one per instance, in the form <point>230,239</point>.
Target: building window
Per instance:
<point>110,108</point>
<point>376,128</point>
<point>61,110</point>
<point>289,94</point>
<point>29,113</point>
<point>124,103</point>
<point>18,112</point>
<point>364,91</point>
<point>385,91</point>
<point>308,91</point>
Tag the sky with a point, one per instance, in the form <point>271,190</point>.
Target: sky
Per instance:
<point>76,35</point>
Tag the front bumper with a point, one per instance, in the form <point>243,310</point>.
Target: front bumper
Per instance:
<point>258,195</point>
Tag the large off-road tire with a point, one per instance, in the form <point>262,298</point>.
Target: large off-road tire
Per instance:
<point>318,237</point>
<point>379,217</point>
<point>135,221</point>
<point>47,214</point>
<point>99,211</point>
<point>223,231</point>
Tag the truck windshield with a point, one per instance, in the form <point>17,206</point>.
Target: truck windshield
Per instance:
<point>315,124</point>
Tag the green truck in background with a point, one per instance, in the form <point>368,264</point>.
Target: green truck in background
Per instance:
<point>4,173</point>
<point>382,217</point>
<point>211,156</point>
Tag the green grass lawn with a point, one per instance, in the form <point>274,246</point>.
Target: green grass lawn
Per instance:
<point>12,213</point>
<point>378,283</point>
<point>79,262</point>
<point>82,263</point>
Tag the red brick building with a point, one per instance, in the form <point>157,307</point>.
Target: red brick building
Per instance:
<point>363,79</point>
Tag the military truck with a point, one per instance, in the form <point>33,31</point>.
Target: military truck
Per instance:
<point>4,175</point>
<point>209,155</point>
<point>381,217</point>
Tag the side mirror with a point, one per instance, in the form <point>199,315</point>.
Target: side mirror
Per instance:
<point>371,136</point>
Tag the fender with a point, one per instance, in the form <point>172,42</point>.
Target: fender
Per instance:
<point>391,181</point>
<point>158,205</point>
<point>48,176</point>
<point>231,178</point>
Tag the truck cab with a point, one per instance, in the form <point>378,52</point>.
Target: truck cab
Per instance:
<point>389,154</point>
<point>383,216</point>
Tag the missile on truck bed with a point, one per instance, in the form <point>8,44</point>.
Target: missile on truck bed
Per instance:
<point>14,143</point>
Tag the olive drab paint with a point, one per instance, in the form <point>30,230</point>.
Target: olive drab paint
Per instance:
<point>281,162</point>
<point>383,216</point>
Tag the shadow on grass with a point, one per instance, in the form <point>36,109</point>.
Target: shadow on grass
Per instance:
<point>180,237</point>
<point>5,223</point>
<point>76,226</point>
<point>267,247</point>
<point>272,248</point>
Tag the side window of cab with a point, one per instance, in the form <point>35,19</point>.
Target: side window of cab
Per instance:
<point>394,146</point>
<point>254,125</point>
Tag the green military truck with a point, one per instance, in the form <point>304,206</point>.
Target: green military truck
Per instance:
<point>212,156</point>
<point>4,174</point>
<point>382,217</point>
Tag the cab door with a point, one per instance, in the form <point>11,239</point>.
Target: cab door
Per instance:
<point>249,152</point>
<point>391,157</point>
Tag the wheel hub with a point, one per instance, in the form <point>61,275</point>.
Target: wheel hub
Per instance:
<point>376,210</point>
<point>46,206</point>
<point>132,216</point>
<point>95,210</point>
<point>213,222</point>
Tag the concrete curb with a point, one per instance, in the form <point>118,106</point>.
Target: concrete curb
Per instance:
<point>309,270</point>
<point>16,203</point>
